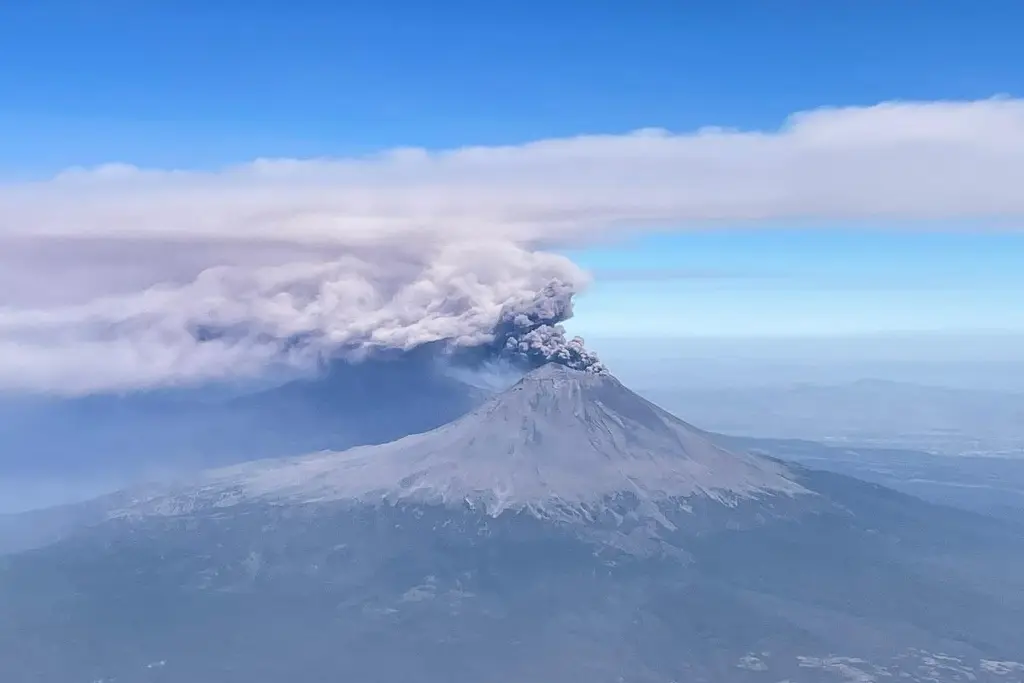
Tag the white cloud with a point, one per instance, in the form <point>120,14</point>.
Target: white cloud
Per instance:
<point>80,254</point>
<point>901,159</point>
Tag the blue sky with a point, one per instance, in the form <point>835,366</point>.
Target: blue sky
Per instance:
<point>779,282</point>
<point>191,84</point>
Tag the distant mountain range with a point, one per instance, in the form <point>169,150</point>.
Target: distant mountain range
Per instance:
<point>990,485</point>
<point>864,413</point>
<point>564,530</point>
<point>109,441</point>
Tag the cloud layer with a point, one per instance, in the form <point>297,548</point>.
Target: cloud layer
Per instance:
<point>119,277</point>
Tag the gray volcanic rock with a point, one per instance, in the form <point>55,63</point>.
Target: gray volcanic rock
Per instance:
<point>567,530</point>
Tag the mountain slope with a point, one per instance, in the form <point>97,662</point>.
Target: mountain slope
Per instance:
<point>559,439</point>
<point>565,531</point>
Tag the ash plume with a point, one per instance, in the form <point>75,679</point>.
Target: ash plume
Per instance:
<point>490,301</point>
<point>530,331</point>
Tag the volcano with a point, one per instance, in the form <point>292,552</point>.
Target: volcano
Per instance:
<point>565,530</point>
<point>560,443</point>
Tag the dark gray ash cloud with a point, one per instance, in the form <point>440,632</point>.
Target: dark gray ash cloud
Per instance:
<point>531,331</point>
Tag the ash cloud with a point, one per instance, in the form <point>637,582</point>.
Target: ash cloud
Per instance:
<point>530,331</point>
<point>494,300</point>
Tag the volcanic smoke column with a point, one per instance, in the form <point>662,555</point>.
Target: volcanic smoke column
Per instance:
<point>530,331</point>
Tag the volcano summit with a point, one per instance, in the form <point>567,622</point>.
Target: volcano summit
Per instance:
<point>565,530</point>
